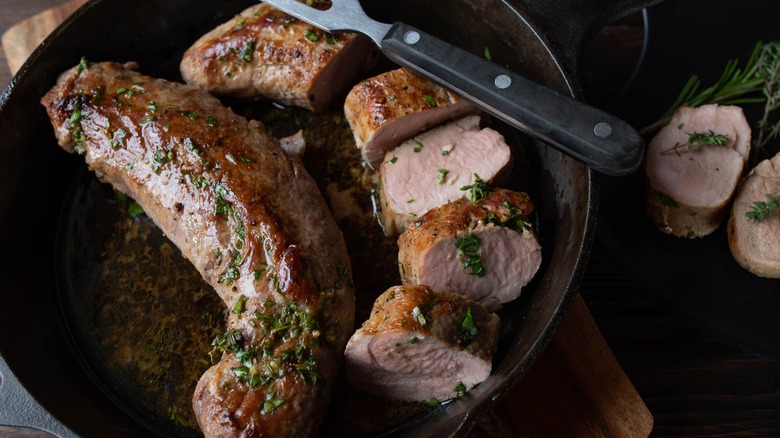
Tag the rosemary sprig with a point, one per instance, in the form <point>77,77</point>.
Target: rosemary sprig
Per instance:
<point>735,87</point>
<point>698,139</point>
<point>762,210</point>
<point>769,70</point>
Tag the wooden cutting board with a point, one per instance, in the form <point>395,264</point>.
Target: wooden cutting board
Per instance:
<point>575,389</point>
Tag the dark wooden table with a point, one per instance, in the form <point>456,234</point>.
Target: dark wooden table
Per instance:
<point>692,384</point>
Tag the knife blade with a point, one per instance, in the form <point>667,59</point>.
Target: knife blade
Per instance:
<point>602,141</point>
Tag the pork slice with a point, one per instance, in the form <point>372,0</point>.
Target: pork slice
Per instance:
<point>419,343</point>
<point>264,52</point>
<point>247,216</point>
<point>755,243</point>
<point>484,250</point>
<point>388,109</point>
<point>688,190</point>
<point>432,168</point>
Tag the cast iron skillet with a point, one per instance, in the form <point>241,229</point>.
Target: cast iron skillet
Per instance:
<point>46,381</point>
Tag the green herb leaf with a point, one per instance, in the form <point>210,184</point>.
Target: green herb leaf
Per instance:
<point>240,305</point>
<point>467,327</point>
<point>311,35</point>
<point>431,101</point>
<point>762,210</point>
<point>440,174</point>
<point>468,252</point>
<point>134,209</point>
<point>478,190</point>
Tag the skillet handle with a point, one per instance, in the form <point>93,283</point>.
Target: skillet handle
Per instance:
<point>600,140</point>
<point>19,409</point>
<point>568,25</point>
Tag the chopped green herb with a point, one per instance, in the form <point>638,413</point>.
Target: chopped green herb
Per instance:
<point>311,35</point>
<point>419,316</point>
<point>211,121</point>
<point>393,160</point>
<point>478,190</point>
<point>134,209</point>
<point>487,54</point>
<point>152,106</point>
<point>247,53</point>
<point>446,149</point>
<point>84,64</point>
<point>413,340</point>
<point>240,305</point>
<point>271,405</point>
<point>147,120</point>
<point>460,389</point>
<point>409,201</point>
<point>468,252</point>
<point>431,101</point>
<point>440,174</point>
<point>467,327</point>
<point>240,23</point>
<point>698,139</point>
<point>433,402</point>
<point>419,147</point>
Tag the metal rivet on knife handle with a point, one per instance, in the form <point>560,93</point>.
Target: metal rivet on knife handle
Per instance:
<point>503,82</point>
<point>411,37</point>
<point>602,129</point>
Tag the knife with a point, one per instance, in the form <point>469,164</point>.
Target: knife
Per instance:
<point>602,141</point>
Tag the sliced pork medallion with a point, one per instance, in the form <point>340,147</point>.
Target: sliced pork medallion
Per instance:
<point>265,52</point>
<point>420,344</point>
<point>693,166</point>
<point>249,218</point>
<point>388,109</point>
<point>754,224</point>
<point>483,249</point>
<point>433,168</point>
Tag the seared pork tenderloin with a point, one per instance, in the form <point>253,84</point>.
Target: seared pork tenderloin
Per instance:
<point>250,219</point>
<point>693,166</point>
<point>419,343</point>
<point>388,109</point>
<point>264,52</point>
<point>755,242</point>
<point>484,250</point>
<point>432,169</point>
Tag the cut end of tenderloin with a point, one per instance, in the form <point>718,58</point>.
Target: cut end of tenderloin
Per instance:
<point>432,168</point>
<point>485,251</point>
<point>420,344</point>
<point>755,244</point>
<point>689,185</point>
<point>388,109</point>
<point>264,52</point>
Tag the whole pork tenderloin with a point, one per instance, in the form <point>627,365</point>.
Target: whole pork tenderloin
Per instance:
<point>247,216</point>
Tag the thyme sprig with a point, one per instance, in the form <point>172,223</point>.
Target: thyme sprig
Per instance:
<point>735,86</point>
<point>762,210</point>
<point>698,139</point>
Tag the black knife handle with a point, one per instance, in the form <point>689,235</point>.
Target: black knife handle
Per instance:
<point>600,140</point>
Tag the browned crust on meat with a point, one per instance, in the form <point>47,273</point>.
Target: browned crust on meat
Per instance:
<point>393,312</point>
<point>451,219</point>
<point>393,95</point>
<point>264,52</point>
<point>249,218</point>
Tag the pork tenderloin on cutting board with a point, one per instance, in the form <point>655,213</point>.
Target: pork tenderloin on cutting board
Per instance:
<point>688,190</point>
<point>484,250</point>
<point>387,109</point>
<point>264,52</point>
<point>432,169</point>
<point>419,343</point>
<point>755,244</point>
<point>249,218</point>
